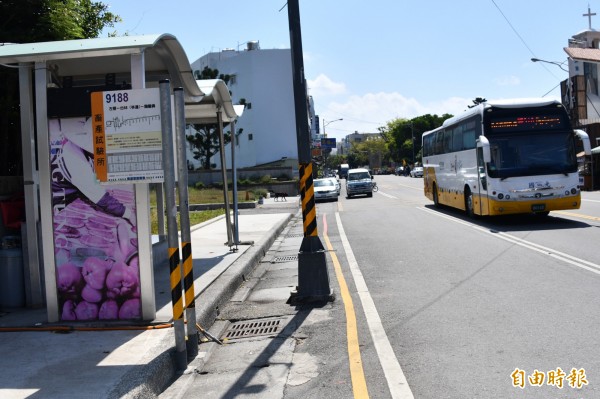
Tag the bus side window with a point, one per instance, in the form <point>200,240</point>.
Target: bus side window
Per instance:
<point>469,139</point>
<point>448,140</point>
<point>439,142</point>
<point>457,140</point>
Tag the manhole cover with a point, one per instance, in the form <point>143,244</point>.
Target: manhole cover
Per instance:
<point>254,328</point>
<point>286,258</point>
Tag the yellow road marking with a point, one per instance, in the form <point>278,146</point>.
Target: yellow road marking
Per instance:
<point>578,215</point>
<point>359,384</point>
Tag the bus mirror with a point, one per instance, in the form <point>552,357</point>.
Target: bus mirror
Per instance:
<point>484,144</point>
<point>585,140</point>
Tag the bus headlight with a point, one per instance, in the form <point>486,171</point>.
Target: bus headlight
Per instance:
<point>500,196</point>
<point>507,196</point>
<point>573,191</point>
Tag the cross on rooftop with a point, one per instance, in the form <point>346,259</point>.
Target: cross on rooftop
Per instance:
<point>589,15</point>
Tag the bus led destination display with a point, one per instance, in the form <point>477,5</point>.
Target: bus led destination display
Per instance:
<point>520,123</point>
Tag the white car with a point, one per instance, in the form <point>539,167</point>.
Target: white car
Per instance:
<point>335,181</point>
<point>417,171</point>
<point>325,189</point>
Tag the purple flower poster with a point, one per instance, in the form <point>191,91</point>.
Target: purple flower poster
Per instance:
<point>95,235</point>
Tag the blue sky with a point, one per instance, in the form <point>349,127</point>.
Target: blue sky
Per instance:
<point>370,62</point>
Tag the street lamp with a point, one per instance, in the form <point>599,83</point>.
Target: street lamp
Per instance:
<point>558,64</point>
<point>325,124</point>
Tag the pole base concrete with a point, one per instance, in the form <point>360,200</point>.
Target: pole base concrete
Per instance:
<point>313,277</point>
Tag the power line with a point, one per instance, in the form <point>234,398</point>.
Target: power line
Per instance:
<point>514,30</point>
<point>521,38</point>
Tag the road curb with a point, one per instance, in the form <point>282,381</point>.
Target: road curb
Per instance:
<point>151,378</point>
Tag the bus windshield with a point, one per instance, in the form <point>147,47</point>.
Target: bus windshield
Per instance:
<point>532,153</point>
<point>530,141</point>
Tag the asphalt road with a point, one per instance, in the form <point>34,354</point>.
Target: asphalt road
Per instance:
<point>473,308</point>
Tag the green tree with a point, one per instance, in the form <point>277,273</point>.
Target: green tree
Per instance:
<point>402,134</point>
<point>477,101</point>
<point>332,162</point>
<point>372,152</point>
<point>205,141</point>
<point>27,21</point>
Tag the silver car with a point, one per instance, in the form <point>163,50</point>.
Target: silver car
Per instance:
<point>325,189</point>
<point>417,171</point>
<point>335,181</point>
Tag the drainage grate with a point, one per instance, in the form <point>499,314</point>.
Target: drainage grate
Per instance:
<point>287,258</point>
<point>254,328</point>
<point>295,235</point>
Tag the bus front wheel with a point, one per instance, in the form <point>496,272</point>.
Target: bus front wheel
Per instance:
<point>436,200</point>
<point>469,203</point>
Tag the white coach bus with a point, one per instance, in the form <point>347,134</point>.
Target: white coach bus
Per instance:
<point>505,157</point>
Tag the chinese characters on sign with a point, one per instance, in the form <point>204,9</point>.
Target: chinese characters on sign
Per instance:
<point>127,136</point>
<point>558,378</point>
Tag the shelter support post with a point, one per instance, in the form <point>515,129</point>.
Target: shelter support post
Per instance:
<point>43,145</point>
<point>236,230</point>
<point>184,219</point>
<point>30,179</point>
<point>142,206</point>
<point>224,175</point>
<point>172,236</point>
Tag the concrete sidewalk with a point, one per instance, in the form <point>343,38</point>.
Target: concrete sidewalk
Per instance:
<point>54,363</point>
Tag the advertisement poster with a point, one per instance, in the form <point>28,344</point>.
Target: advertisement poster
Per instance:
<point>95,236</point>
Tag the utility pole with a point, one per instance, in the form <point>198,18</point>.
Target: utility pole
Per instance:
<point>313,278</point>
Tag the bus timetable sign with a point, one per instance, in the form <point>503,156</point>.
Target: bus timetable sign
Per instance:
<point>127,136</point>
<point>328,143</point>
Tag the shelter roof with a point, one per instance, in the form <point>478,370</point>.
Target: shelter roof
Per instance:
<point>89,60</point>
<point>216,95</point>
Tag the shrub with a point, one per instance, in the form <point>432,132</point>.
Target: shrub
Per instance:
<point>266,179</point>
<point>260,192</point>
<point>199,185</point>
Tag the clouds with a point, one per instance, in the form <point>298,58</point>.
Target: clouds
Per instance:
<point>323,86</point>
<point>366,112</point>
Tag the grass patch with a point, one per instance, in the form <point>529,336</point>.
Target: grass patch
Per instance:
<point>198,196</point>
<point>196,217</point>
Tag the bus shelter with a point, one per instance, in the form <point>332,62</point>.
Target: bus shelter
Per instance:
<point>88,242</point>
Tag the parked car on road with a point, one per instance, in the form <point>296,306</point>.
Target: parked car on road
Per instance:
<point>416,171</point>
<point>325,189</point>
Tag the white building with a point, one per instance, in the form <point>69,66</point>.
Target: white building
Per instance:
<point>264,79</point>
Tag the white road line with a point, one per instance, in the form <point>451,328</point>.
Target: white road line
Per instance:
<point>387,195</point>
<point>581,263</point>
<point>391,368</point>
<point>589,200</point>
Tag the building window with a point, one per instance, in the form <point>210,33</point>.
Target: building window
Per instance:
<point>250,137</point>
